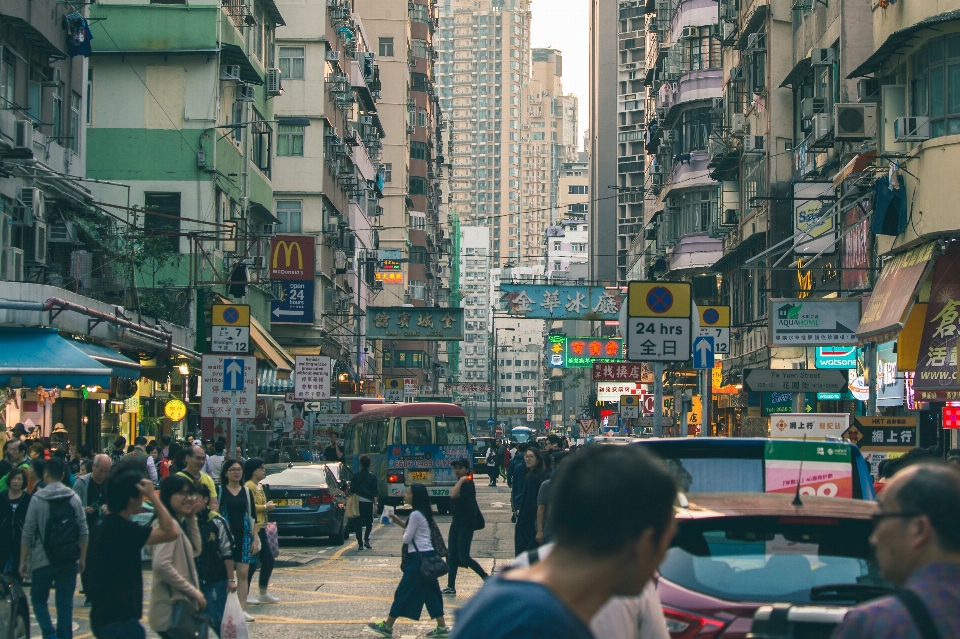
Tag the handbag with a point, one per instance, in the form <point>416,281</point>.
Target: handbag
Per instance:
<point>273,538</point>
<point>187,623</point>
<point>353,506</point>
<point>436,538</point>
<point>431,567</point>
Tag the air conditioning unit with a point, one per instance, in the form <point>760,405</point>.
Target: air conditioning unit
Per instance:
<point>656,169</point>
<point>366,119</point>
<point>230,72</point>
<point>855,121</point>
<point>270,229</point>
<point>729,28</point>
<point>690,32</point>
<point>331,224</point>
<point>23,134</point>
<point>738,124</point>
<point>63,232</point>
<point>911,129</point>
<point>717,104</point>
<point>333,56</point>
<point>245,93</point>
<point>274,86</point>
<point>650,233</point>
<point>757,42</point>
<point>868,90</point>
<point>823,57</point>
<point>13,265</point>
<point>754,144</point>
<point>410,129</point>
<point>809,107</point>
<point>728,217</point>
<point>822,126</point>
<point>670,136</point>
<point>737,74</point>
<point>34,200</point>
<point>39,243</point>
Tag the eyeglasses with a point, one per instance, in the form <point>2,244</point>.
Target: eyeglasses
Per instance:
<point>235,469</point>
<point>876,518</point>
<point>200,457</point>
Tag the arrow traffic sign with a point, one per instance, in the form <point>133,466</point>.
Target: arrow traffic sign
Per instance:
<point>703,352</point>
<point>765,380</point>
<point>233,374</point>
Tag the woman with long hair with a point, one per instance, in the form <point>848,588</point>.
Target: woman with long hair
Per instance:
<point>525,533</point>
<point>253,472</point>
<point>13,512</point>
<point>414,590</point>
<point>175,575</point>
<point>238,508</point>
<point>166,464</point>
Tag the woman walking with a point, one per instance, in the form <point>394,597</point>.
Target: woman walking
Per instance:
<point>253,472</point>
<point>365,486</point>
<point>238,508</point>
<point>525,533</point>
<point>174,569</point>
<point>215,564</point>
<point>13,511</point>
<point>164,470</point>
<point>414,590</point>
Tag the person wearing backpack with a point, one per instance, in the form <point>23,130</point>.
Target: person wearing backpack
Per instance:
<point>53,545</point>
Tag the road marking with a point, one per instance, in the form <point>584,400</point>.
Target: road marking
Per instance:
<point>498,504</point>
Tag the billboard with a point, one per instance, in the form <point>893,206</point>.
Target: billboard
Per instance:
<point>582,352</point>
<point>292,257</point>
<point>408,322</point>
<point>561,302</point>
<point>806,322</point>
<point>816,232</point>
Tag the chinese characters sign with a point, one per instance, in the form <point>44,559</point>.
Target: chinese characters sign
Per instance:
<point>226,390</point>
<point>813,425</point>
<point>883,433</point>
<point>827,471</point>
<point>389,277</point>
<point>659,322</point>
<point>312,377</point>
<point>582,352</point>
<point>561,302</point>
<point>408,322</point>
<point>608,372</point>
<point>801,322</point>
<point>937,363</point>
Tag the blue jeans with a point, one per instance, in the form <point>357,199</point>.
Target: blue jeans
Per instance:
<point>129,629</point>
<point>216,596</point>
<point>64,580</point>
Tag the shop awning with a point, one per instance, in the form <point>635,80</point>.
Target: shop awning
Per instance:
<point>31,357</point>
<point>122,366</point>
<point>268,384</point>
<point>280,360</point>
<point>897,41</point>
<point>894,293</point>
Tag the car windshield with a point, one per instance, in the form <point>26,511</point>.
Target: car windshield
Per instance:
<point>521,436</point>
<point>783,559</point>
<point>300,477</point>
<point>479,447</point>
<point>717,474</point>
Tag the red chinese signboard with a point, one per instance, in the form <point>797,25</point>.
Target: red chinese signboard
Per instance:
<point>619,372</point>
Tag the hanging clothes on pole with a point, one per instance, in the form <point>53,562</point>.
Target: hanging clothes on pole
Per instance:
<point>78,35</point>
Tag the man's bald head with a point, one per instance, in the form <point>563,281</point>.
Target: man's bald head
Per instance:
<point>101,467</point>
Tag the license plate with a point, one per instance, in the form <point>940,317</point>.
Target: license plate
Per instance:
<point>418,476</point>
<point>288,502</point>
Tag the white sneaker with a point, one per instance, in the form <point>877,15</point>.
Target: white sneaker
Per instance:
<point>268,598</point>
<point>248,618</point>
<point>252,600</point>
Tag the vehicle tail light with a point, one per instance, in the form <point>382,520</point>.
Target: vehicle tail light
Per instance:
<point>394,479</point>
<point>322,498</point>
<point>687,625</point>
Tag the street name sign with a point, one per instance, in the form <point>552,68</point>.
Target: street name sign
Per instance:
<point>765,380</point>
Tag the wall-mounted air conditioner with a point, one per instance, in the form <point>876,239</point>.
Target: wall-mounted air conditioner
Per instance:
<point>822,126</point>
<point>34,201</point>
<point>274,86</point>
<point>690,32</point>
<point>333,56</point>
<point>366,119</point>
<point>230,72</point>
<point>823,57</point>
<point>738,124</point>
<point>13,265</point>
<point>809,107</point>
<point>911,129</point>
<point>63,232</point>
<point>737,74</point>
<point>39,243</point>
<point>757,42</point>
<point>245,93</point>
<point>868,90</point>
<point>754,144</point>
<point>854,121</point>
<point>23,134</point>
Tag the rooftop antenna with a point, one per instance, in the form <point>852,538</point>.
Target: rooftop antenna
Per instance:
<point>796,498</point>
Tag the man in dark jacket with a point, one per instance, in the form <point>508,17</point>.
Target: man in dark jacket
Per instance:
<point>366,487</point>
<point>466,520</point>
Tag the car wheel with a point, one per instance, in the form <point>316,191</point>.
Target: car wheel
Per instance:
<point>21,628</point>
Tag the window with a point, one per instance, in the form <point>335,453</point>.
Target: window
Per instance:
<point>57,96</point>
<point>262,140</point>
<point>8,76</point>
<point>418,221</point>
<point>75,106</point>
<point>89,97</point>
<point>577,189</point>
<point>418,48</point>
<point>290,141</point>
<point>418,186</point>
<point>386,47</point>
<point>291,63</point>
<point>576,208</point>
<point>418,150</point>
<point>703,52</point>
<point>935,85</point>
<point>236,118</point>
<point>419,432</point>
<point>168,204</point>
<point>388,173</point>
<point>290,214</point>
<point>556,246</point>
<point>695,130</point>
<point>420,13</point>
<point>417,289</point>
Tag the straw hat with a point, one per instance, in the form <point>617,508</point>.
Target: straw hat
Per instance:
<point>59,429</point>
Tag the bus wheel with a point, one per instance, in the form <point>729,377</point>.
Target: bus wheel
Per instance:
<point>443,505</point>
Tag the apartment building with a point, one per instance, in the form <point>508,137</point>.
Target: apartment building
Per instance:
<point>328,179</point>
<point>519,366</point>
<point>483,67</point>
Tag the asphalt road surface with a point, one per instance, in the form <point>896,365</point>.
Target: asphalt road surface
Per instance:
<point>333,591</point>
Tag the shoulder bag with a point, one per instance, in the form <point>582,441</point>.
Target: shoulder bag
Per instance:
<point>436,538</point>
<point>431,567</point>
<point>186,622</point>
<point>920,614</point>
<point>353,506</point>
<point>479,523</point>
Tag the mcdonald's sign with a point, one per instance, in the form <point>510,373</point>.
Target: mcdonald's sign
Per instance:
<point>292,257</point>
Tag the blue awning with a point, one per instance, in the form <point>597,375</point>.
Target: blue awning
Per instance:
<point>121,365</point>
<point>31,357</point>
<point>269,384</point>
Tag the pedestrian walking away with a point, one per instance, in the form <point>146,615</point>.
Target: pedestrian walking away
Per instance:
<point>466,520</point>
<point>421,538</point>
<point>916,539</point>
<point>119,449</point>
<point>611,536</point>
<point>13,513</point>
<point>525,533</point>
<point>52,550</point>
<point>174,575</point>
<point>114,582</point>
<point>239,510</point>
<point>216,461</point>
<point>253,472</point>
<point>366,487</point>
<point>215,563</point>
<point>544,534</point>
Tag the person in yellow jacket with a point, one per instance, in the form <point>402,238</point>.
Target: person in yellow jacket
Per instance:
<point>253,472</point>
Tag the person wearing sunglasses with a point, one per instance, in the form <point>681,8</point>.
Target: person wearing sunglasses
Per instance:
<point>916,536</point>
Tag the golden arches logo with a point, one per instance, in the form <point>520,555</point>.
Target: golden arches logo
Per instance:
<point>288,248</point>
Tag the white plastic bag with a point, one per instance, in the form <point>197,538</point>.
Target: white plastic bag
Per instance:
<point>234,626</point>
<point>385,517</point>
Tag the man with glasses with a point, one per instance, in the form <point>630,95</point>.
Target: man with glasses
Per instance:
<point>916,537</point>
<point>194,472</point>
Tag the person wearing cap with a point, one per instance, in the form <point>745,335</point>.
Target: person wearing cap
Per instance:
<point>466,519</point>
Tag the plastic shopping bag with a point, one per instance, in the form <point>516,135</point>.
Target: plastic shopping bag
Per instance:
<point>273,538</point>
<point>385,517</point>
<point>234,626</point>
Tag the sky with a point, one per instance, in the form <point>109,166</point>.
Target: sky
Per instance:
<point>565,25</point>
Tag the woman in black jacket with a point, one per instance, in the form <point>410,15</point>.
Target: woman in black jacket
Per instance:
<point>13,511</point>
<point>365,486</point>
<point>525,533</point>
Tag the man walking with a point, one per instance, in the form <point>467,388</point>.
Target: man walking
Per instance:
<point>916,537</point>
<point>54,542</point>
<point>493,463</point>
<point>334,452</point>
<point>195,459</point>
<point>90,490</point>
<point>466,512</point>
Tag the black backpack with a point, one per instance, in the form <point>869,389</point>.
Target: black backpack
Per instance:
<point>61,535</point>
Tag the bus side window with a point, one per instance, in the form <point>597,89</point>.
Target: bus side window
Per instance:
<point>349,443</point>
<point>382,430</point>
<point>362,430</point>
<point>397,432</point>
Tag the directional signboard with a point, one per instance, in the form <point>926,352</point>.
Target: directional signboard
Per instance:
<point>703,352</point>
<point>629,406</point>
<point>295,303</point>
<point>659,321</point>
<point>765,380</point>
<point>715,323</point>
<point>802,322</point>
<point>228,386</point>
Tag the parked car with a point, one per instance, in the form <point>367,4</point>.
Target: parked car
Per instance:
<point>310,502</point>
<point>734,553</point>
<point>14,613</point>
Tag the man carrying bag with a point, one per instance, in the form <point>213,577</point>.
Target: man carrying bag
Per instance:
<point>467,519</point>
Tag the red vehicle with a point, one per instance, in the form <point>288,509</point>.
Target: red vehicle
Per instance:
<point>736,552</point>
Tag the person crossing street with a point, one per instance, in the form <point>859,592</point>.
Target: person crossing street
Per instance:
<point>466,520</point>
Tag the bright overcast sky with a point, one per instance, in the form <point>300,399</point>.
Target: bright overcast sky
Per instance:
<point>565,25</point>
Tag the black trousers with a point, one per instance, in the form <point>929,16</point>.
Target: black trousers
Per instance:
<point>265,562</point>
<point>364,523</point>
<point>458,546</point>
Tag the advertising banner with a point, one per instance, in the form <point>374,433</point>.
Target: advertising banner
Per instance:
<point>561,302</point>
<point>855,247</point>
<point>292,257</point>
<point>827,471</point>
<point>937,363</point>
<point>407,322</point>
<point>806,322</point>
<point>582,352</point>
<point>295,303</point>
<point>817,232</point>
<point>813,426</point>
<point>619,372</point>
<point>893,293</point>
